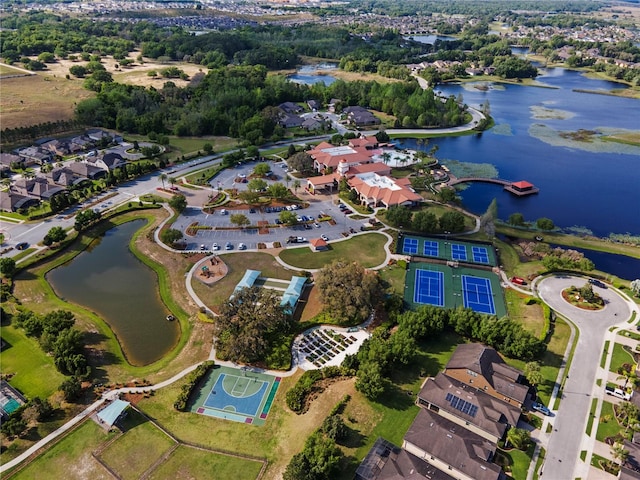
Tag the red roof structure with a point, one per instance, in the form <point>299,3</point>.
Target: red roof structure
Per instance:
<point>522,185</point>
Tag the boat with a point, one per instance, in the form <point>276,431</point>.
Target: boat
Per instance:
<point>170,318</point>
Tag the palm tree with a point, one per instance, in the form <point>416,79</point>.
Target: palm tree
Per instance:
<point>163,177</point>
<point>386,157</point>
<point>532,373</point>
<point>172,181</point>
<point>519,438</point>
<point>619,453</point>
<point>296,186</point>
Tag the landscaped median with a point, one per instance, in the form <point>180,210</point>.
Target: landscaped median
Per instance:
<point>367,249</point>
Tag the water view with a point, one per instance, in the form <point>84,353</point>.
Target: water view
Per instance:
<point>110,281</point>
<point>431,39</point>
<point>587,184</point>
<point>308,74</point>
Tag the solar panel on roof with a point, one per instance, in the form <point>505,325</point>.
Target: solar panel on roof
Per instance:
<point>462,405</point>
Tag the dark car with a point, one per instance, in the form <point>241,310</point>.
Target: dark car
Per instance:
<point>22,246</point>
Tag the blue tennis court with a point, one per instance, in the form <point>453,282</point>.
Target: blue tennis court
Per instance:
<point>410,245</point>
<point>430,248</point>
<point>236,394</point>
<point>458,252</point>
<point>480,254</point>
<point>477,294</point>
<point>429,288</point>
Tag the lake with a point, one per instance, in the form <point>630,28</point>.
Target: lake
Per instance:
<point>431,39</point>
<point>110,281</point>
<point>592,185</point>
<point>307,74</point>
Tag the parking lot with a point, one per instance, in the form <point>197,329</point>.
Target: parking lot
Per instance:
<point>223,232</point>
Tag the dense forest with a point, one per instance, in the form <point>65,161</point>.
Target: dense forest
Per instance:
<point>240,101</point>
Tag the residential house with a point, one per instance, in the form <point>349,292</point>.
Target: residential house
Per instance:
<point>333,105</point>
<point>452,448</point>
<point>87,170</point>
<point>630,469</point>
<point>468,406</point>
<point>360,116</point>
<point>291,107</point>
<point>38,188</point>
<point>314,105</point>
<point>11,201</point>
<point>313,123</point>
<point>35,155</point>
<point>386,461</point>
<point>65,177</point>
<point>109,161</point>
<point>9,159</point>
<point>288,120</point>
<point>481,366</point>
<point>98,135</point>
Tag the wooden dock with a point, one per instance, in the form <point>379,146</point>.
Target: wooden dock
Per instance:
<point>520,188</point>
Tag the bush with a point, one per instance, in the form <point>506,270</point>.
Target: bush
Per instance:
<point>297,396</point>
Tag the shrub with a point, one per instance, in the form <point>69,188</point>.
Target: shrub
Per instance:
<point>192,380</point>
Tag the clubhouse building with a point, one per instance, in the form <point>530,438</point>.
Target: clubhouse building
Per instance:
<point>359,163</point>
<point>465,411</point>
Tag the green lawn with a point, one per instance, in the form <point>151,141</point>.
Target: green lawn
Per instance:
<point>592,413</point>
<point>35,373</point>
<point>393,275</point>
<point>70,458</point>
<point>619,357</point>
<point>519,461</point>
<point>194,464</point>
<point>607,425</point>
<point>138,449</point>
<point>368,250</point>
<point>603,359</point>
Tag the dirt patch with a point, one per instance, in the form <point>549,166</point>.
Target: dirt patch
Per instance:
<point>310,304</point>
<point>212,270</point>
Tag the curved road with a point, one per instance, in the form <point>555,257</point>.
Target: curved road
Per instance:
<point>570,421</point>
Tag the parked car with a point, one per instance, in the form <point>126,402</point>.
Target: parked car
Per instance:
<point>228,246</point>
<point>597,283</point>
<point>242,246</point>
<point>223,212</point>
<point>215,247</point>
<point>202,247</point>
<point>324,237</point>
<point>22,246</point>
<point>541,408</point>
<point>317,225</point>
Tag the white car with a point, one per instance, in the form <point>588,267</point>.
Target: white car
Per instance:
<point>324,237</point>
<point>242,246</point>
<point>215,247</point>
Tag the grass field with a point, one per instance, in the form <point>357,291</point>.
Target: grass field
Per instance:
<point>186,462</point>
<point>6,70</point>
<point>519,461</point>
<point>367,249</point>
<point>393,275</point>
<point>607,425</point>
<point>54,98</point>
<point>35,373</point>
<point>619,357</point>
<point>138,449</point>
<point>70,458</point>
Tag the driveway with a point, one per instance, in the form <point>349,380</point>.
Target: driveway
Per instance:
<point>569,425</point>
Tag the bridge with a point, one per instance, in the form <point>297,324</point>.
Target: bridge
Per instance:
<point>520,188</point>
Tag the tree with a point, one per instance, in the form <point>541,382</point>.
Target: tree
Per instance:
<point>288,218</point>
<point>240,220</point>
<point>619,453</point>
<point>54,235</point>
<point>545,224</point>
<point>248,323</point>
<point>635,287</point>
<point>447,195</point>
<point>519,438</point>
<point>399,216</point>
<point>257,185</point>
<point>170,236</point>
<point>163,177</point>
<point>7,267</point>
<point>178,203</point>
<point>85,219</point>
<point>348,291</point>
<point>533,374</point>
<point>261,169</point>
<point>516,219</point>
<point>319,460</point>
<point>208,148</point>
<point>302,162</point>
<point>71,388</point>
<point>425,222</point>
<point>587,293</point>
<point>278,191</point>
<point>78,71</point>
<point>334,428</point>
<point>452,222</point>
<point>296,185</point>
<point>370,381</point>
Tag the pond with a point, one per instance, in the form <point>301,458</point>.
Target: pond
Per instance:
<point>309,74</point>
<point>110,281</point>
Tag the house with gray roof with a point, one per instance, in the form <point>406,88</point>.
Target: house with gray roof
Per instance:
<point>64,177</point>
<point>108,161</point>
<point>452,448</point>
<point>468,406</point>
<point>87,170</point>
<point>37,187</point>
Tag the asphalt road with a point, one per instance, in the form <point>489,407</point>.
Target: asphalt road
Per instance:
<point>569,425</point>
